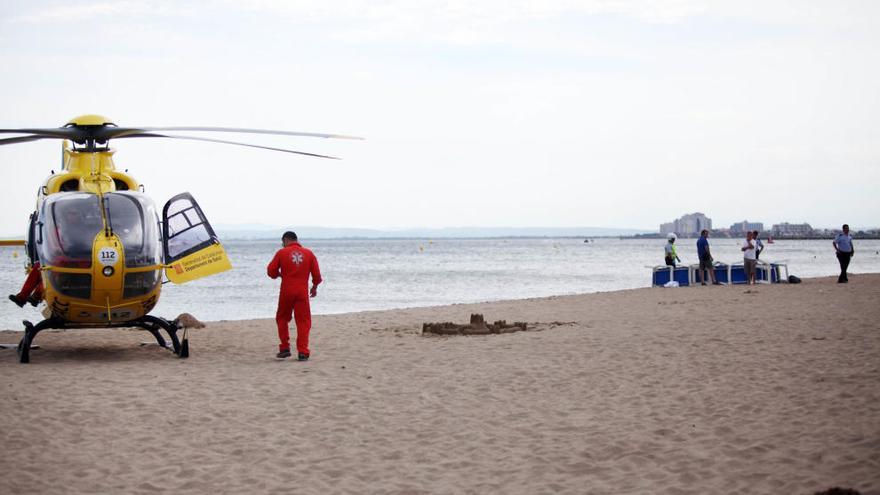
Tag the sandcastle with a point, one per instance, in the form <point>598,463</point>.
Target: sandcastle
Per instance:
<point>477,326</point>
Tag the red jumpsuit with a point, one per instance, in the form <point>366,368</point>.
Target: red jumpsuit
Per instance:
<point>33,285</point>
<point>295,264</point>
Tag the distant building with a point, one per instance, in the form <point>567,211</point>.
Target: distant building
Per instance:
<point>688,225</point>
<point>786,229</point>
<point>746,226</point>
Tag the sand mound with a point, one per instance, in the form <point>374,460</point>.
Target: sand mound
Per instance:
<point>186,320</point>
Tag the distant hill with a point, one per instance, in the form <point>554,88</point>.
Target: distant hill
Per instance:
<point>257,231</point>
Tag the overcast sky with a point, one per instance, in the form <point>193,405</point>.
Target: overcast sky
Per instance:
<point>491,113</point>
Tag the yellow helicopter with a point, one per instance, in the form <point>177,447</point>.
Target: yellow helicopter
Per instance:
<point>98,246</point>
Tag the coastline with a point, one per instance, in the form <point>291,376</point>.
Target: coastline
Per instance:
<point>761,389</point>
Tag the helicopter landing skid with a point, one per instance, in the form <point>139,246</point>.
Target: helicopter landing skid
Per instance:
<point>149,323</point>
<point>15,346</point>
<point>30,332</point>
<point>152,324</point>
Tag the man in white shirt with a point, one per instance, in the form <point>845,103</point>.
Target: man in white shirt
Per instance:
<point>759,246</point>
<point>750,258</point>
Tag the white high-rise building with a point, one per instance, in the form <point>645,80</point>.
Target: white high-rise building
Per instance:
<point>746,226</point>
<point>688,225</point>
<point>786,229</point>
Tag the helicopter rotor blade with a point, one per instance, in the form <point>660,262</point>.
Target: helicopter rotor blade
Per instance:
<point>57,133</point>
<point>23,139</point>
<point>122,132</point>
<point>101,134</point>
<point>223,141</point>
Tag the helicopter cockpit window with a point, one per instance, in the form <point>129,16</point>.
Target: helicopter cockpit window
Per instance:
<point>70,224</point>
<point>187,231</point>
<point>132,217</point>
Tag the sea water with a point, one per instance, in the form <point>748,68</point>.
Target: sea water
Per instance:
<point>364,275</point>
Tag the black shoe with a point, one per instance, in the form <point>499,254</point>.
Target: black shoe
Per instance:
<point>34,300</point>
<point>703,283</point>
<point>14,298</point>
<point>283,354</point>
<point>302,357</point>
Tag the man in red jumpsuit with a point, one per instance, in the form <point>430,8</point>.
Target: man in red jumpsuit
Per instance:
<point>295,264</point>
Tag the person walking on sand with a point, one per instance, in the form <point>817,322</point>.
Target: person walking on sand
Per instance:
<point>294,264</point>
<point>669,251</point>
<point>750,258</point>
<point>843,246</point>
<point>705,256</point>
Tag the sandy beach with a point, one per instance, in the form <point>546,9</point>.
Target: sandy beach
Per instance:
<point>762,389</point>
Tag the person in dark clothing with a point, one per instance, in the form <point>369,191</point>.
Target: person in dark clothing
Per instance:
<point>705,256</point>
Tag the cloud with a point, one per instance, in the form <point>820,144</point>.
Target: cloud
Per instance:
<point>66,13</point>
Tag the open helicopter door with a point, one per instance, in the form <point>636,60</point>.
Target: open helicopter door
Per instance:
<point>191,247</point>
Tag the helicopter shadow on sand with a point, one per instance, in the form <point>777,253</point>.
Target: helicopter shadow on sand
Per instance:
<point>92,350</point>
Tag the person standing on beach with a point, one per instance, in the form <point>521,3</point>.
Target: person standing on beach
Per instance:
<point>294,264</point>
<point>759,246</point>
<point>670,255</point>
<point>843,246</point>
<point>706,261</point>
<point>750,258</point>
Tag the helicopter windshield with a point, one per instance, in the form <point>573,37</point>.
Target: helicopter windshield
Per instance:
<point>133,219</point>
<point>70,224</point>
